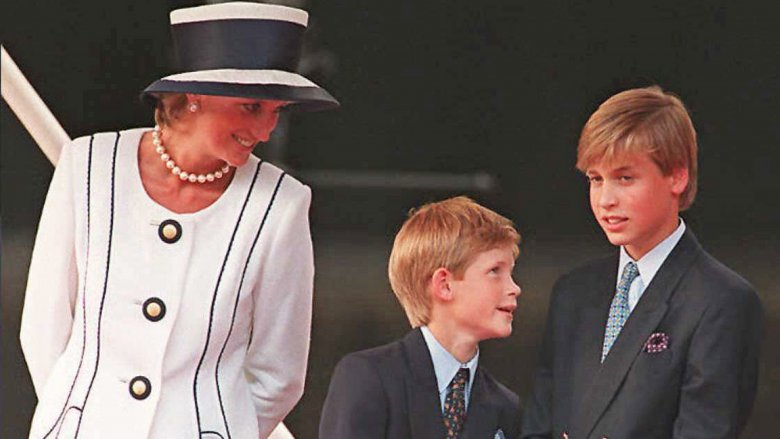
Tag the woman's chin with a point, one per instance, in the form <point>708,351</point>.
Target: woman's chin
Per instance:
<point>237,162</point>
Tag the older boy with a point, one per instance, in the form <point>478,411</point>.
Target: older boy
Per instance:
<point>451,269</point>
<point>659,340</point>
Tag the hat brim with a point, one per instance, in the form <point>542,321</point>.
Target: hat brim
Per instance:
<point>302,94</point>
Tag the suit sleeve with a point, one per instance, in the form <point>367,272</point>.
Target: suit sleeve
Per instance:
<point>50,295</point>
<point>356,406</point>
<point>720,379</point>
<point>537,419</point>
<point>276,359</point>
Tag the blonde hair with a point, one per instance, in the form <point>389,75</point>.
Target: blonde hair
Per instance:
<point>168,107</point>
<point>446,234</point>
<point>642,120</point>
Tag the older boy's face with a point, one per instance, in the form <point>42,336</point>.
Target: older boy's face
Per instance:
<point>486,297</point>
<point>634,203</point>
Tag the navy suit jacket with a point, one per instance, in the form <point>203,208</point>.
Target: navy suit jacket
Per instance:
<point>391,392</point>
<point>702,386</point>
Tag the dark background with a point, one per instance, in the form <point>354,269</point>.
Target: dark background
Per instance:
<point>453,87</point>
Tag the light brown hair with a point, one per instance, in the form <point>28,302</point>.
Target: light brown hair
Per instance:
<point>642,120</point>
<point>446,234</point>
<point>168,107</point>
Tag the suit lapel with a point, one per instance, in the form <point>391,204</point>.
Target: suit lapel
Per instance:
<point>425,417</point>
<point>591,326</point>
<point>482,417</point>
<point>643,321</point>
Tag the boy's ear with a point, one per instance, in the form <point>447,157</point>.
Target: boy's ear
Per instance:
<point>440,284</point>
<point>679,180</point>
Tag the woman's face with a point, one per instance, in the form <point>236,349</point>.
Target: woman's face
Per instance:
<point>228,128</point>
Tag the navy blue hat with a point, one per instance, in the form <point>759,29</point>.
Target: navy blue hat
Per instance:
<point>241,49</point>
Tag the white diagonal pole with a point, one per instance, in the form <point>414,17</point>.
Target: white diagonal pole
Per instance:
<point>30,109</point>
<point>49,134</point>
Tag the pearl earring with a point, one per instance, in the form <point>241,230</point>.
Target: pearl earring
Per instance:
<point>194,107</point>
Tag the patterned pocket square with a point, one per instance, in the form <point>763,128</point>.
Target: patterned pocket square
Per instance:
<point>656,343</point>
<point>499,434</point>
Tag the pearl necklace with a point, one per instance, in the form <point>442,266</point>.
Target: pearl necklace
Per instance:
<point>177,171</point>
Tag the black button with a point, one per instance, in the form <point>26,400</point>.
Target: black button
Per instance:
<point>169,231</point>
<point>140,387</point>
<point>154,309</point>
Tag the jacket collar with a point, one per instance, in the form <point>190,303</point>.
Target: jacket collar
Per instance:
<point>425,418</point>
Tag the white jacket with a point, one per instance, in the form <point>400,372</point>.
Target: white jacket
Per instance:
<point>129,336</point>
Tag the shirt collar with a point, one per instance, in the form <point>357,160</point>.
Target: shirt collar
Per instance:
<point>445,366</point>
<point>649,264</point>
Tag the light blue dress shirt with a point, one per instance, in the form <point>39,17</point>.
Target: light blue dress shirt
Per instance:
<point>445,366</point>
<point>648,264</point>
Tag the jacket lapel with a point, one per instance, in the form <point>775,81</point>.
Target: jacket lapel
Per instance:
<point>591,326</point>
<point>425,417</point>
<point>482,416</point>
<point>643,321</point>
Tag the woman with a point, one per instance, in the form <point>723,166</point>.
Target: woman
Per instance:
<point>170,288</point>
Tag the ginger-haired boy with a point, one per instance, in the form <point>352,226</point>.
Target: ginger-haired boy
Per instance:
<point>451,269</point>
<point>658,340</point>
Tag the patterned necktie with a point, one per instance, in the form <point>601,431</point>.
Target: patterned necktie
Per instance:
<point>619,311</point>
<point>455,404</point>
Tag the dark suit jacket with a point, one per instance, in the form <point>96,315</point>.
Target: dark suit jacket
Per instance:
<point>391,392</point>
<point>702,386</point>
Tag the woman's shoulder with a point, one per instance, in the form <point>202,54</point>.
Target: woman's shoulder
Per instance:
<point>105,139</point>
<point>287,184</point>
<point>78,152</point>
<point>103,136</point>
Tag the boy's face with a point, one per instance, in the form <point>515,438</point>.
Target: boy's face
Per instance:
<point>485,299</point>
<point>634,203</point>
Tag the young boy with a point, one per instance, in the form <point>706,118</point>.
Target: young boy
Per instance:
<point>659,340</point>
<point>451,269</point>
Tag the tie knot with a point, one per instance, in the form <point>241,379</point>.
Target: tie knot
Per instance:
<point>461,379</point>
<point>630,272</point>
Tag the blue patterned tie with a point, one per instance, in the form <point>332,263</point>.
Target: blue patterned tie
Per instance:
<point>455,404</point>
<point>619,311</point>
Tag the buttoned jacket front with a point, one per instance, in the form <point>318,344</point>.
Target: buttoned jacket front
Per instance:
<point>141,322</point>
